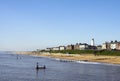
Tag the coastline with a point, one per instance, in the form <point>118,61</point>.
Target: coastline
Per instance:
<point>78,57</point>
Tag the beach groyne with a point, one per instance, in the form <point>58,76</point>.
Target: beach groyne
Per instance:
<point>78,57</point>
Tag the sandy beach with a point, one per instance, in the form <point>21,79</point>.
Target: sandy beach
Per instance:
<point>79,57</point>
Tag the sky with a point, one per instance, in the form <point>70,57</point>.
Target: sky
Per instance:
<point>37,24</point>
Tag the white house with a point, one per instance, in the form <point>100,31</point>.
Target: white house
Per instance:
<point>55,48</point>
<point>61,47</point>
<point>113,46</point>
<point>104,46</point>
<point>83,46</point>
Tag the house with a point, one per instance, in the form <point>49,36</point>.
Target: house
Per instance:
<point>84,46</point>
<point>118,46</point>
<point>70,47</point>
<point>62,48</point>
<point>106,46</point>
<point>99,47</point>
<point>113,45</point>
<point>81,46</point>
<point>55,48</point>
<point>77,46</point>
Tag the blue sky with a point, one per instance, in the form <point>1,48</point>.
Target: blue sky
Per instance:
<point>33,24</point>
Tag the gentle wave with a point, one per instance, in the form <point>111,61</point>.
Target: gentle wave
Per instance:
<point>86,62</point>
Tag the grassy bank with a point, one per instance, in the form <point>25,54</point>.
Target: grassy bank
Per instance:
<point>104,56</point>
<point>95,52</point>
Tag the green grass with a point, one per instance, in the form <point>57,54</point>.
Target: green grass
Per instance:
<point>96,52</point>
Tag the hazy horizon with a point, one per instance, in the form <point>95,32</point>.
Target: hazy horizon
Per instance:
<point>36,24</point>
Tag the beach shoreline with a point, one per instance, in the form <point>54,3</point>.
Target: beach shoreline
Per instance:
<point>78,57</point>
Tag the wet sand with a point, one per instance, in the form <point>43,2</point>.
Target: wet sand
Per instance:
<point>79,57</point>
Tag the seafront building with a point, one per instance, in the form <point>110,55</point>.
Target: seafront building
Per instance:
<point>70,47</point>
<point>55,48</point>
<point>99,47</point>
<point>62,48</point>
<point>113,45</point>
<point>81,46</point>
<point>77,46</point>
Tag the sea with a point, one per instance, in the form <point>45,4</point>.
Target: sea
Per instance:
<point>14,67</point>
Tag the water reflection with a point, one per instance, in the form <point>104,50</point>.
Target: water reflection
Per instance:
<point>40,74</point>
<point>37,75</point>
<point>18,57</point>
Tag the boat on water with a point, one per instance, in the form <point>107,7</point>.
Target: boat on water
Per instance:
<point>40,67</point>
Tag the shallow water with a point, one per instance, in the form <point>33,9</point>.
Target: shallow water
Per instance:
<point>22,68</point>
